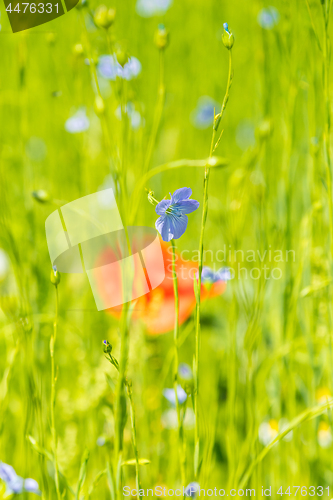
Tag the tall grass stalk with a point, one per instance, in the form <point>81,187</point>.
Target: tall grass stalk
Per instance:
<point>120,411</point>
<point>181,444</point>
<point>53,388</point>
<point>158,113</point>
<point>128,385</point>
<point>213,146</point>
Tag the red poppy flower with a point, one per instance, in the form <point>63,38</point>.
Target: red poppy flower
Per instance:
<point>156,309</point>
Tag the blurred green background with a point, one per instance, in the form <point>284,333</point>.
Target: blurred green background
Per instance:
<point>266,352</point>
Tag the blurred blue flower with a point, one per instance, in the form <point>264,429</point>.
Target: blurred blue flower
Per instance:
<point>268,18</point>
<point>203,115</point>
<point>133,115</point>
<point>170,395</point>
<point>192,489</point>
<point>149,8</point>
<point>185,371</point>
<point>101,439</point>
<point>210,276</point>
<point>173,220</point>
<point>78,122</point>
<point>109,68</point>
<point>16,484</point>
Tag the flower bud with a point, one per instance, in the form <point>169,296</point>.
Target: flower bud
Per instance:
<point>104,17</point>
<point>107,347</point>
<point>161,37</point>
<point>41,195</point>
<point>51,38</point>
<point>122,56</point>
<point>99,105</point>
<point>55,276</point>
<point>152,199</point>
<point>227,37</point>
<point>264,130</point>
<point>78,49</point>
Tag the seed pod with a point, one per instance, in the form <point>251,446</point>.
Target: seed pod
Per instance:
<point>122,56</point>
<point>104,17</point>
<point>99,105</point>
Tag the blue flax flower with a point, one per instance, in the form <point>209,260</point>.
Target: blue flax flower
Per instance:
<point>268,18</point>
<point>203,115</point>
<point>210,276</point>
<point>16,484</point>
<point>185,371</point>
<point>170,395</point>
<point>192,489</point>
<point>109,68</point>
<point>149,8</point>
<point>173,220</point>
<point>78,122</point>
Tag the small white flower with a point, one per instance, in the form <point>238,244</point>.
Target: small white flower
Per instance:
<point>324,435</point>
<point>4,264</point>
<point>268,431</point>
<point>109,68</point>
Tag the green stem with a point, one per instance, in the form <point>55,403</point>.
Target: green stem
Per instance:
<point>128,384</point>
<point>217,120</point>
<point>158,113</point>
<point>134,439</point>
<point>182,457</point>
<point>328,162</point>
<point>53,386</point>
<point>94,77</point>
<point>154,131</point>
<point>119,407</point>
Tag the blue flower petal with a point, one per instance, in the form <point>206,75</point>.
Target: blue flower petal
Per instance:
<point>163,226</point>
<point>77,123</point>
<point>181,194</point>
<point>7,472</point>
<point>108,67</point>
<point>192,489</point>
<point>169,394</point>
<point>16,486</point>
<point>185,371</point>
<point>162,206</point>
<point>224,274</point>
<point>186,206</point>
<point>132,68</point>
<point>32,486</point>
<point>178,225</point>
<point>207,275</point>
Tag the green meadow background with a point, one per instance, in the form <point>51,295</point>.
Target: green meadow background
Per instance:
<point>266,349</point>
